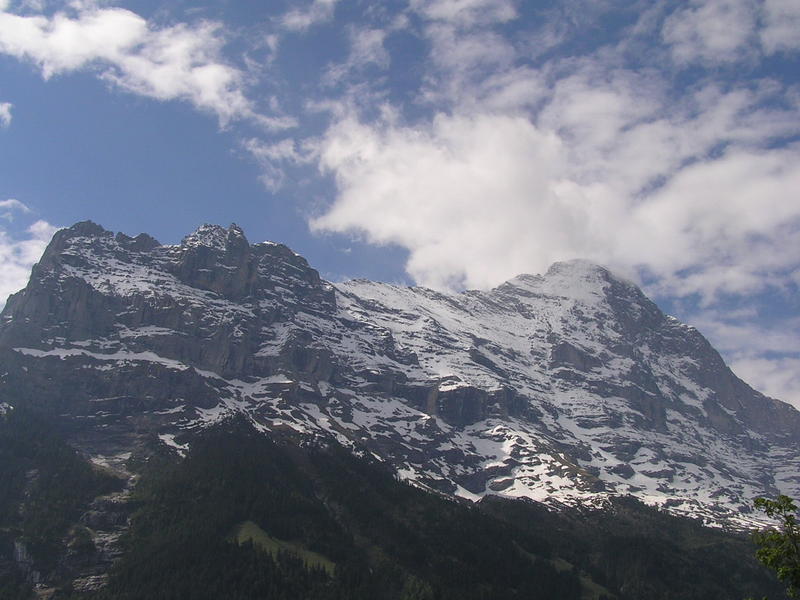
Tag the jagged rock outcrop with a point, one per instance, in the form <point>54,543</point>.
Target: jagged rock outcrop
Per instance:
<point>564,387</point>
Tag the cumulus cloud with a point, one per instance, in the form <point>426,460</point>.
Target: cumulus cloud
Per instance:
<point>453,195</point>
<point>723,226</point>
<point>735,333</point>
<point>582,156</point>
<point>180,62</point>
<point>5,113</point>
<point>604,174</point>
<point>18,253</point>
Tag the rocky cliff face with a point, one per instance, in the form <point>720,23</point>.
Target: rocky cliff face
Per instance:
<point>565,388</point>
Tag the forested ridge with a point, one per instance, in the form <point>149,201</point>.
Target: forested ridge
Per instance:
<point>387,539</point>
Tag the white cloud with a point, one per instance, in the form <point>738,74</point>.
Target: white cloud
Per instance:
<point>366,49</point>
<point>727,31</point>
<point>453,195</point>
<point>711,31</point>
<point>778,378</point>
<point>301,19</point>
<point>5,113</point>
<point>272,157</point>
<point>10,206</point>
<point>466,13</point>
<point>28,5</point>
<point>18,255</point>
<point>738,333</point>
<point>465,45</point>
<point>181,62</point>
<point>781,26</point>
<point>766,357</point>
<point>730,221</point>
<point>477,198</point>
<point>457,51</point>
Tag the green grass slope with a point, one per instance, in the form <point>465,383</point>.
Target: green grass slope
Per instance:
<point>252,533</point>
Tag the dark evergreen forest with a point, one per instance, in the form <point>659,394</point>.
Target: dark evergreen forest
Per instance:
<point>325,524</point>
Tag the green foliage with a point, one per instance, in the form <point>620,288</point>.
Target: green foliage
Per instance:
<point>779,549</point>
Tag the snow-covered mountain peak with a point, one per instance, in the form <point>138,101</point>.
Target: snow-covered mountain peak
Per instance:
<point>214,236</point>
<point>579,300</point>
<point>564,387</point>
<point>85,228</point>
<point>577,279</point>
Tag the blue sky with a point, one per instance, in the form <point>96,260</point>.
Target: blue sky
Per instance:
<point>449,143</point>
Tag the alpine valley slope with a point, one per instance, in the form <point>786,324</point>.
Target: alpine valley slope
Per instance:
<point>564,388</point>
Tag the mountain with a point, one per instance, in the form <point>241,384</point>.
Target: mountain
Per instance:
<point>569,388</point>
